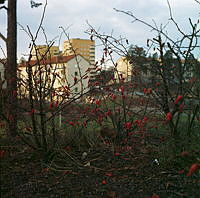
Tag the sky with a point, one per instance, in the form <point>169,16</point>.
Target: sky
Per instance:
<point>74,14</point>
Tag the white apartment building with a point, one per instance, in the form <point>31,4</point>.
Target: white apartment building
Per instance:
<point>62,71</point>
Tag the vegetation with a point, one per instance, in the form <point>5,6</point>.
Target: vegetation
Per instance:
<point>117,139</point>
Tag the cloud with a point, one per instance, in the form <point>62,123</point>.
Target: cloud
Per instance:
<point>75,13</point>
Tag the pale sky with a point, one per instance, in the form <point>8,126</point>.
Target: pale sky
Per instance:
<point>101,15</point>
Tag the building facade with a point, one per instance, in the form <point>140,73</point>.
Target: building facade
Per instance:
<point>123,69</point>
<point>61,73</point>
<point>44,51</point>
<point>84,47</point>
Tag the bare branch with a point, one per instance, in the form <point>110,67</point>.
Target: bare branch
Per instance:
<point>145,23</point>
<point>4,7</point>
<point>3,37</point>
<point>197,1</point>
<point>42,19</point>
<point>33,38</point>
<point>172,19</point>
<point>3,52</point>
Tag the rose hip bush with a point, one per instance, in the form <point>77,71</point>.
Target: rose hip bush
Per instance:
<point>168,84</point>
<point>152,108</point>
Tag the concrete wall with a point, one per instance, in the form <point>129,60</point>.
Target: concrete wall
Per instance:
<point>73,67</point>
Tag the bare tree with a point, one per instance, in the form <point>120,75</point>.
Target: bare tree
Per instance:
<point>11,64</point>
<point>172,68</point>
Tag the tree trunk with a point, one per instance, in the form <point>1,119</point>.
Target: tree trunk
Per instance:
<point>12,67</point>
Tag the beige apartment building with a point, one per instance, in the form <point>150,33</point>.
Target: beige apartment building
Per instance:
<point>41,51</point>
<point>66,68</point>
<point>123,68</point>
<point>84,47</point>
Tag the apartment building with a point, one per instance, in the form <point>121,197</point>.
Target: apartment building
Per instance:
<point>127,70</point>
<point>123,68</point>
<point>63,71</point>
<point>41,51</point>
<point>84,47</point>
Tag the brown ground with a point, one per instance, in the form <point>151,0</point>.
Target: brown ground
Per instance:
<point>128,172</point>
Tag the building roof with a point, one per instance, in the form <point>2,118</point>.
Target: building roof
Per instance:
<point>52,60</point>
<point>80,39</point>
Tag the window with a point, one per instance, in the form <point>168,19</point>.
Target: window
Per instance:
<point>63,80</point>
<point>76,73</point>
<point>63,72</point>
<point>49,80</point>
<point>76,89</point>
